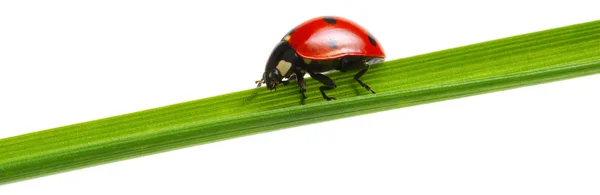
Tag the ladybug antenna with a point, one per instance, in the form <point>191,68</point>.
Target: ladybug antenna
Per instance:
<point>259,82</point>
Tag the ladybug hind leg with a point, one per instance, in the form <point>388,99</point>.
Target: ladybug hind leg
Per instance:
<point>360,74</point>
<point>363,64</point>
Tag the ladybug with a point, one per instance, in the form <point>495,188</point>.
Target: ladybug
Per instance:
<point>320,45</point>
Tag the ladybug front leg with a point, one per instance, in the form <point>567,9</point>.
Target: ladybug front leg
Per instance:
<point>328,84</point>
<point>300,79</point>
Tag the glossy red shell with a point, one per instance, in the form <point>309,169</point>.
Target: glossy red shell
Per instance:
<point>321,39</point>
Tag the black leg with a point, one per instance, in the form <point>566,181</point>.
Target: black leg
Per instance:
<point>329,84</point>
<point>353,63</point>
<point>360,74</point>
<point>300,79</point>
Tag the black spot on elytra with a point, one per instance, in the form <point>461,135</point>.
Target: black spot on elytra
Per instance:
<point>329,20</point>
<point>332,43</point>
<point>372,40</point>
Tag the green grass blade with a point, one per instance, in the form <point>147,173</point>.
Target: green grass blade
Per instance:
<point>523,60</point>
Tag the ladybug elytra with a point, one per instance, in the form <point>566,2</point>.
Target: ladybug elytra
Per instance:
<point>320,45</point>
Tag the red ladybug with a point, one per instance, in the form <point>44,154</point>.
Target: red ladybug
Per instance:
<point>321,45</point>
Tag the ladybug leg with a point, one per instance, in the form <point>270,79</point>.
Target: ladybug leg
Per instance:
<point>351,64</point>
<point>300,78</point>
<point>287,81</point>
<point>360,74</point>
<point>328,84</point>
<point>292,77</point>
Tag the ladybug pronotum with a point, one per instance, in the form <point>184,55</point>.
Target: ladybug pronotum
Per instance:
<point>320,45</point>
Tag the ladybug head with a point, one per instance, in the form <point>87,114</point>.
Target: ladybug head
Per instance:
<point>277,68</point>
<point>272,78</point>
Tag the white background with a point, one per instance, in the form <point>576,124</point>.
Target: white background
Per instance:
<point>64,62</point>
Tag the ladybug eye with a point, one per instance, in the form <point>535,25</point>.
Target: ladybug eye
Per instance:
<point>274,75</point>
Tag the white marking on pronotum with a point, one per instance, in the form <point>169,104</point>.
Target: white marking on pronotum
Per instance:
<point>283,67</point>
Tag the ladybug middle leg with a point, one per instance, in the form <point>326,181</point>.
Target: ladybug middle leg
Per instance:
<point>327,82</point>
